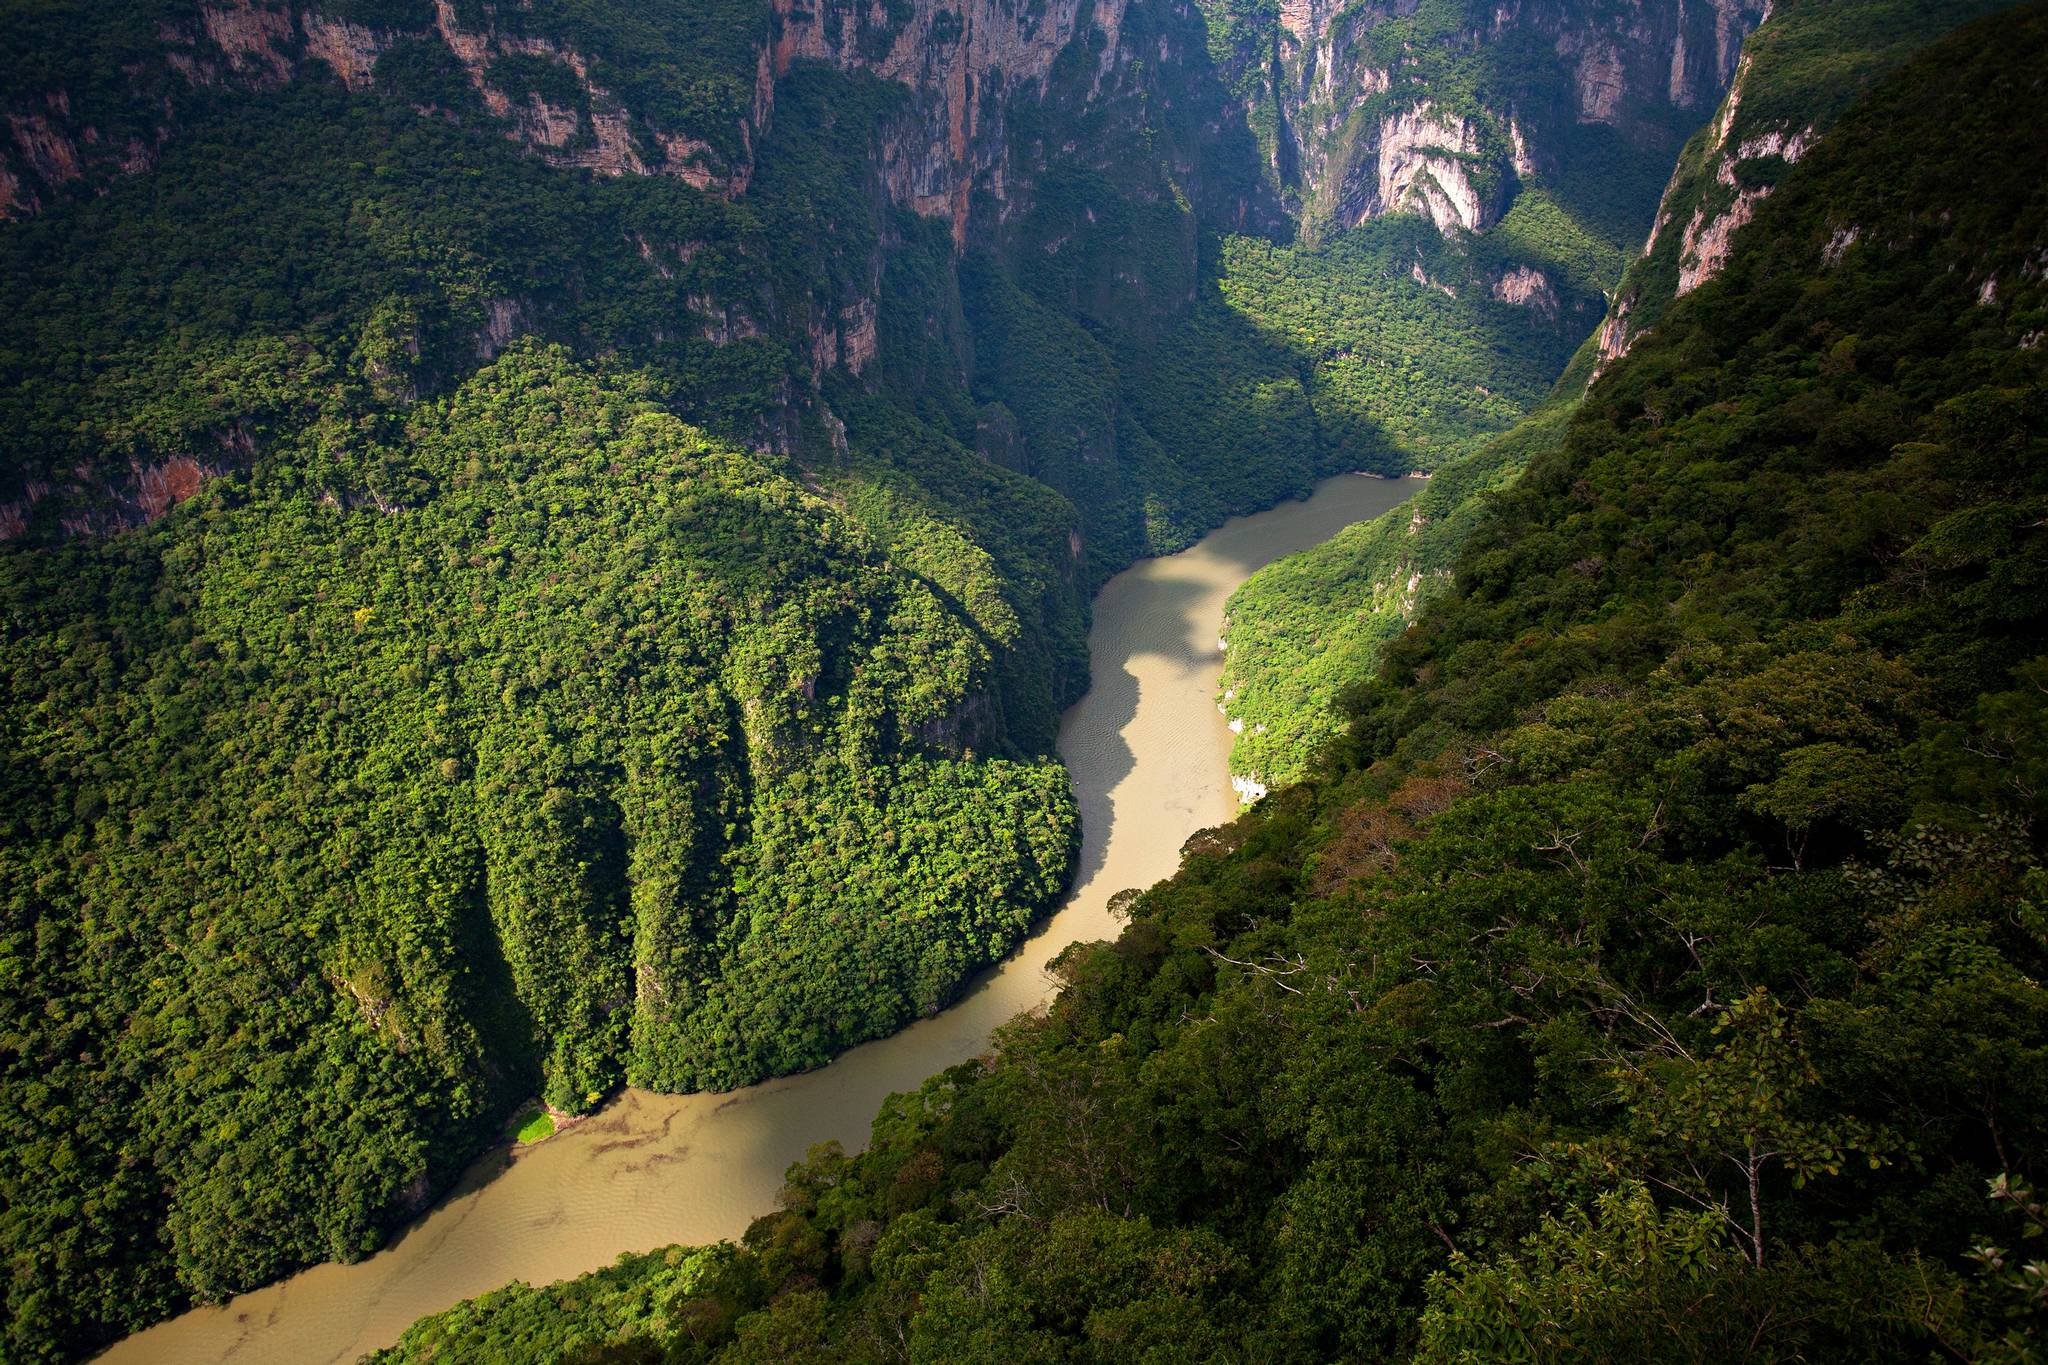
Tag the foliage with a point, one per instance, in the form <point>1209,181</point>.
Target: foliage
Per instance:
<point>475,635</point>
<point>1306,627</point>
<point>1703,794</point>
<point>1302,627</point>
<point>609,753</point>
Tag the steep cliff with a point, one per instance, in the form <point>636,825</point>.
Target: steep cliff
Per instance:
<point>359,737</point>
<point>1794,79</point>
<point>1443,108</point>
<point>1303,629</point>
<point>558,83</point>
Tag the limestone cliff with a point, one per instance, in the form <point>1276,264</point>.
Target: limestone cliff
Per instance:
<point>575,120</point>
<point>1440,109</point>
<point>1714,191</point>
<point>1774,112</point>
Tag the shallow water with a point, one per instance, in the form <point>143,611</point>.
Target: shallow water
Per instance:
<point>1147,751</point>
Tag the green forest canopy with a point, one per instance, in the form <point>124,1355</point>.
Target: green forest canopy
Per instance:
<point>1653,973</point>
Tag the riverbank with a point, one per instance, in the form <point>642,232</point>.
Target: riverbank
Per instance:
<point>1146,751</point>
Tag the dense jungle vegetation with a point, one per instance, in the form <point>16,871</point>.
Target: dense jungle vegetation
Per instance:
<point>464,641</point>
<point>1652,972</point>
<point>1304,628</point>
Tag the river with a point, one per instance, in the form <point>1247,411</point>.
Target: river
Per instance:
<point>1147,751</point>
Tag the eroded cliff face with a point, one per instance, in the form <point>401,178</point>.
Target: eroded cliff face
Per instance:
<point>989,93</point>
<point>1371,116</point>
<point>966,64</point>
<point>1421,162</point>
<point>1713,193</point>
<point>258,44</point>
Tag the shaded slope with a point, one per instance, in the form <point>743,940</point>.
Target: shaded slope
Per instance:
<point>1676,902</point>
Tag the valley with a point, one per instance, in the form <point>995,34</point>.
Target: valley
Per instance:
<point>1146,752</point>
<point>704,579</point>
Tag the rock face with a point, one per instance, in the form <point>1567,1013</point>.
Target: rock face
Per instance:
<point>1421,162</point>
<point>1704,248</point>
<point>1714,192</point>
<point>258,44</point>
<point>1370,117</point>
<point>1356,132</point>
<point>1527,287</point>
<point>965,64</point>
<point>1362,118</point>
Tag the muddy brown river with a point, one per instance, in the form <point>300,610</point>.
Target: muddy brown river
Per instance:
<point>1147,751</point>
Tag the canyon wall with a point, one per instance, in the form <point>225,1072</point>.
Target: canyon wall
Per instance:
<point>1441,109</point>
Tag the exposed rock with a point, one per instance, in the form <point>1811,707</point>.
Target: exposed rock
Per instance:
<point>723,323</point>
<point>1615,336</point>
<point>1838,245</point>
<point>848,341</point>
<point>955,59</point>
<point>256,38</point>
<point>1420,165</point>
<point>1704,248</point>
<point>543,125</point>
<point>692,161</point>
<point>160,487</point>
<point>45,150</point>
<point>349,48</point>
<point>143,494</point>
<point>1527,287</point>
<point>1615,70</point>
<point>1518,144</point>
<point>503,320</point>
<point>1423,278</point>
<point>1711,180</point>
<point>16,199</point>
<point>1773,143</point>
<point>1601,81</point>
<point>857,344</point>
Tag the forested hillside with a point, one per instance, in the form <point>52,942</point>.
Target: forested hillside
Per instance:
<point>1654,970</point>
<point>543,546</point>
<point>1301,629</point>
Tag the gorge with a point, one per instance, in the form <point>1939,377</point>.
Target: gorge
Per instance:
<point>1146,752</point>
<point>545,547</point>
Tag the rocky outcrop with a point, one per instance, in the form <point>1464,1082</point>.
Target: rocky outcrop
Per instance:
<point>1342,97</point>
<point>42,151</point>
<point>504,319</point>
<point>257,44</point>
<point>1732,201</point>
<point>350,49</point>
<point>143,493</point>
<point>256,39</point>
<point>1527,287</point>
<point>1422,160</point>
<point>1704,248</point>
<point>1714,193</point>
<point>964,64</point>
<point>847,339</point>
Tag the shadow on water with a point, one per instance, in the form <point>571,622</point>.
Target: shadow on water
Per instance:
<point>1092,743</point>
<point>1144,746</point>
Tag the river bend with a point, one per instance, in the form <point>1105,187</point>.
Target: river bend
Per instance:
<point>1147,750</point>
